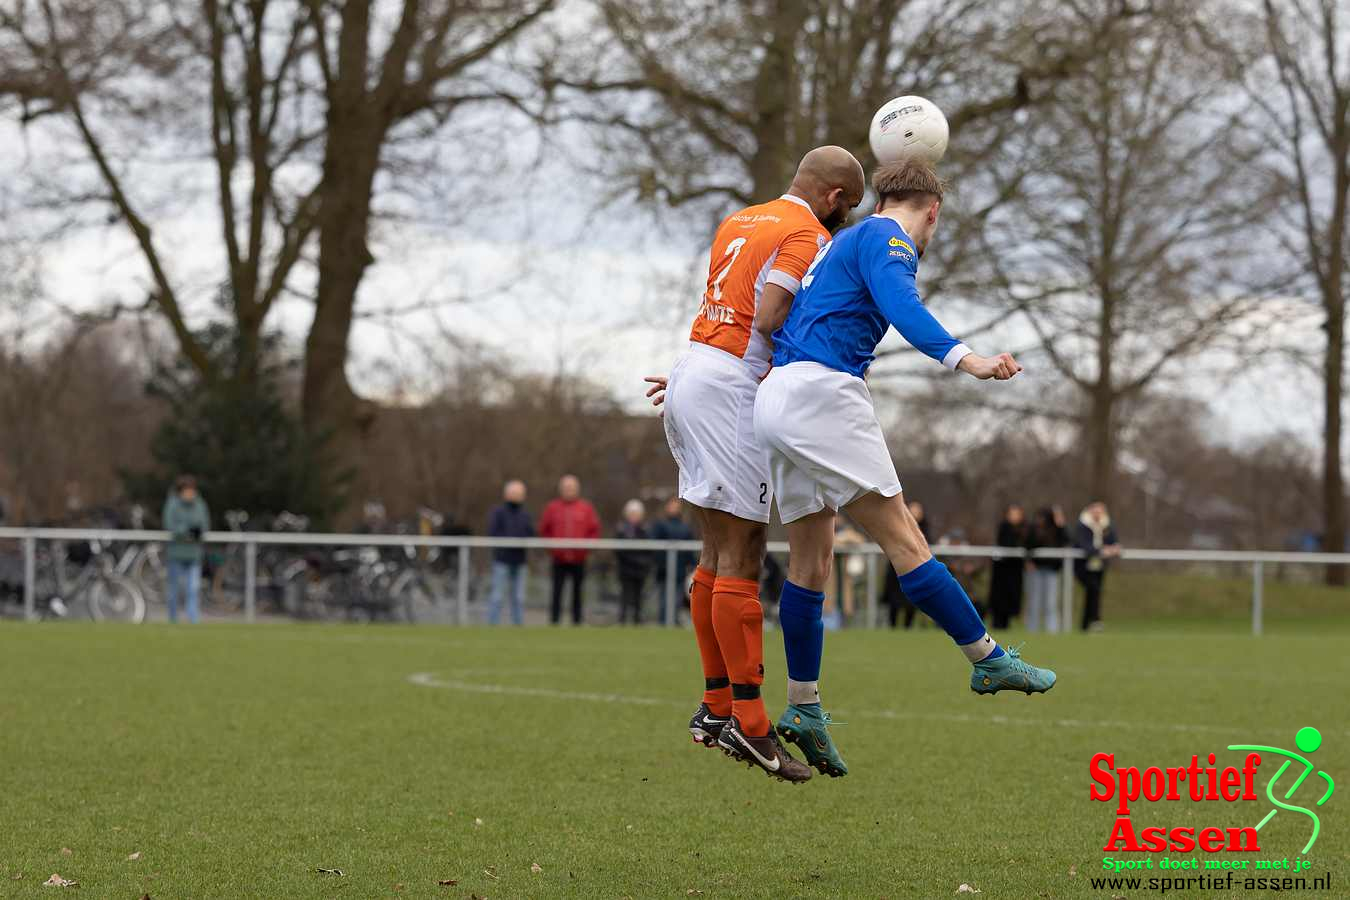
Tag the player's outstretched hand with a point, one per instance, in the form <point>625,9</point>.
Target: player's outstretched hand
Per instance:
<point>999,368</point>
<point>657,391</point>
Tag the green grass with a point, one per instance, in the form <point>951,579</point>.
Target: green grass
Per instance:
<point>238,760</point>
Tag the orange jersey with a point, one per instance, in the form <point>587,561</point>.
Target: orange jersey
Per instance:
<point>771,243</point>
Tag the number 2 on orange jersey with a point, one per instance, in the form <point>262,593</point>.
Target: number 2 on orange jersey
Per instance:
<point>733,250</point>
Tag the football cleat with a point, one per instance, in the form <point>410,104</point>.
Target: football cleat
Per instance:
<point>706,727</point>
<point>1010,672</point>
<point>807,726</point>
<point>766,751</point>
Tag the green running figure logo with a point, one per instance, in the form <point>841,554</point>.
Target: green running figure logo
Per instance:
<point>1308,740</point>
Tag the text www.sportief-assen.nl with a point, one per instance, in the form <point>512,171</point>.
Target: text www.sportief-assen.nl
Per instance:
<point>1229,881</point>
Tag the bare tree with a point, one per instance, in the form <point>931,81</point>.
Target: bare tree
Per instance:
<point>1125,251</point>
<point>695,101</point>
<point>306,102</point>
<point>1298,78</point>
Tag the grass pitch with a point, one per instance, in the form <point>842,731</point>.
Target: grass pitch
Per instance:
<point>236,761</point>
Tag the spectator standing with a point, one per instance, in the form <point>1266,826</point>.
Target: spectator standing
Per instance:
<point>1043,574</point>
<point>509,520</point>
<point>891,595</point>
<point>187,518</point>
<point>568,516</point>
<point>634,565</point>
<point>1097,538</point>
<point>672,527</point>
<point>1005,583</point>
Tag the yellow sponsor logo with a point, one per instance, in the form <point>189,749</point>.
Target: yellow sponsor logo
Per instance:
<point>896,242</point>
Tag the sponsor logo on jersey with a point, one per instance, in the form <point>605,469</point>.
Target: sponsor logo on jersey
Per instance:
<point>896,242</point>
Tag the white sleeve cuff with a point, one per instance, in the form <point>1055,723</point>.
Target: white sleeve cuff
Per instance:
<point>784,281</point>
<point>955,355</point>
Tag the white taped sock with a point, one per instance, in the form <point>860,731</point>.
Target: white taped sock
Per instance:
<point>800,692</point>
<point>978,650</point>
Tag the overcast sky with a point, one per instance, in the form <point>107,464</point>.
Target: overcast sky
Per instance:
<point>544,279</point>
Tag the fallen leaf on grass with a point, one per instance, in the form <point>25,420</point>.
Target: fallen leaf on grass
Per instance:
<point>57,881</point>
<point>16,876</point>
<point>692,892</point>
<point>1073,870</point>
<point>476,897</point>
<point>323,871</point>
<point>448,882</point>
<point>135,856</point>
<point>536,868</point>
<point>145,897</point>
<point>490,871</point>
<point>398,887</point>
<point>967,889</point>
<point>66,851</point>
<point>477,821</point>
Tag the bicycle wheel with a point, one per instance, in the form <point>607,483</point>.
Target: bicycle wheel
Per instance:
<point>114,598</point>
<point>148,573</point>
<point>414,599</point>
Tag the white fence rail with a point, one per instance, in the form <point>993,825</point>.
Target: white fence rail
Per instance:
<point>875,562</point>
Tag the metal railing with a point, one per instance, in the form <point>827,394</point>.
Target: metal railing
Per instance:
<point>464,545</point>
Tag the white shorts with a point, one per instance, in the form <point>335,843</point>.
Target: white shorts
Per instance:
<point>825,444</point>
<point>710,408</point>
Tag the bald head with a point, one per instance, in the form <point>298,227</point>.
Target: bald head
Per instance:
<point>831,180</point>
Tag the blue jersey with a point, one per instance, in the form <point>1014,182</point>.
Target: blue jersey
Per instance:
<point>859,285</point>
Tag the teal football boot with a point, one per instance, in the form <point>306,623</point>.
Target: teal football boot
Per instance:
<point>808,726</point>
<point>1010,672</point>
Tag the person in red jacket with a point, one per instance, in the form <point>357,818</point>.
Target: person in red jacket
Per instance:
<point>569,516</point>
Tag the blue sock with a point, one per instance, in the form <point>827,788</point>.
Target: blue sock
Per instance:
<point>799,615</point>
<point>932,589</point>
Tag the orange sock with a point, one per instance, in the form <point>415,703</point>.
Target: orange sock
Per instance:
<point>739,622</point>
<point>716,684</point>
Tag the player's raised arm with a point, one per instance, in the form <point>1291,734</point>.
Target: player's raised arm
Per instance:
<point>889,267</point>
<point>911,197</point>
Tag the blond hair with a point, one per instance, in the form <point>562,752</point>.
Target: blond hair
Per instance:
<point>907,181</point>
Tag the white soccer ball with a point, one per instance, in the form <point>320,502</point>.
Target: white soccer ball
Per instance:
<point>908,128</point>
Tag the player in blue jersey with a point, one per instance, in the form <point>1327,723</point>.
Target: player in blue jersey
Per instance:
<point>827,452</point>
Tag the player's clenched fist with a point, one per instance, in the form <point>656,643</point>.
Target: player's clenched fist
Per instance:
<point>999,368</point>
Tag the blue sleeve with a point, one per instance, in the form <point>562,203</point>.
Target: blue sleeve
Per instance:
<point>889,265</point>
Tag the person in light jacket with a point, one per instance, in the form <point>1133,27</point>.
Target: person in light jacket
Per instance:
<point>1097,538</point>
<point>187,518</point>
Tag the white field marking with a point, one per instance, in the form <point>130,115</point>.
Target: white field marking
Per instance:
<point>429,679</point>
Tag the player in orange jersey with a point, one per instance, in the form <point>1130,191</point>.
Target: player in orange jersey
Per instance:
<point>759,256</point>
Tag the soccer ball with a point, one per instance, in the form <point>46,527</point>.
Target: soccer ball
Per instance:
<point>908,128</point>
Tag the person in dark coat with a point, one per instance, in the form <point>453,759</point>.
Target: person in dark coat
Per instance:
<point>673,527</point>
<point>891,595</point>
<point>634,565</point>
<point>1097,538</point>
<point>1005,583</point>
<point>509,520</point>
<point>1042,608</point>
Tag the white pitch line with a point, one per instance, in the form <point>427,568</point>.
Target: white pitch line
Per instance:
<point>429,679</point>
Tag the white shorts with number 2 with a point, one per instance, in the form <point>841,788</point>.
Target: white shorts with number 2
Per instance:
<point>710,408</point>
